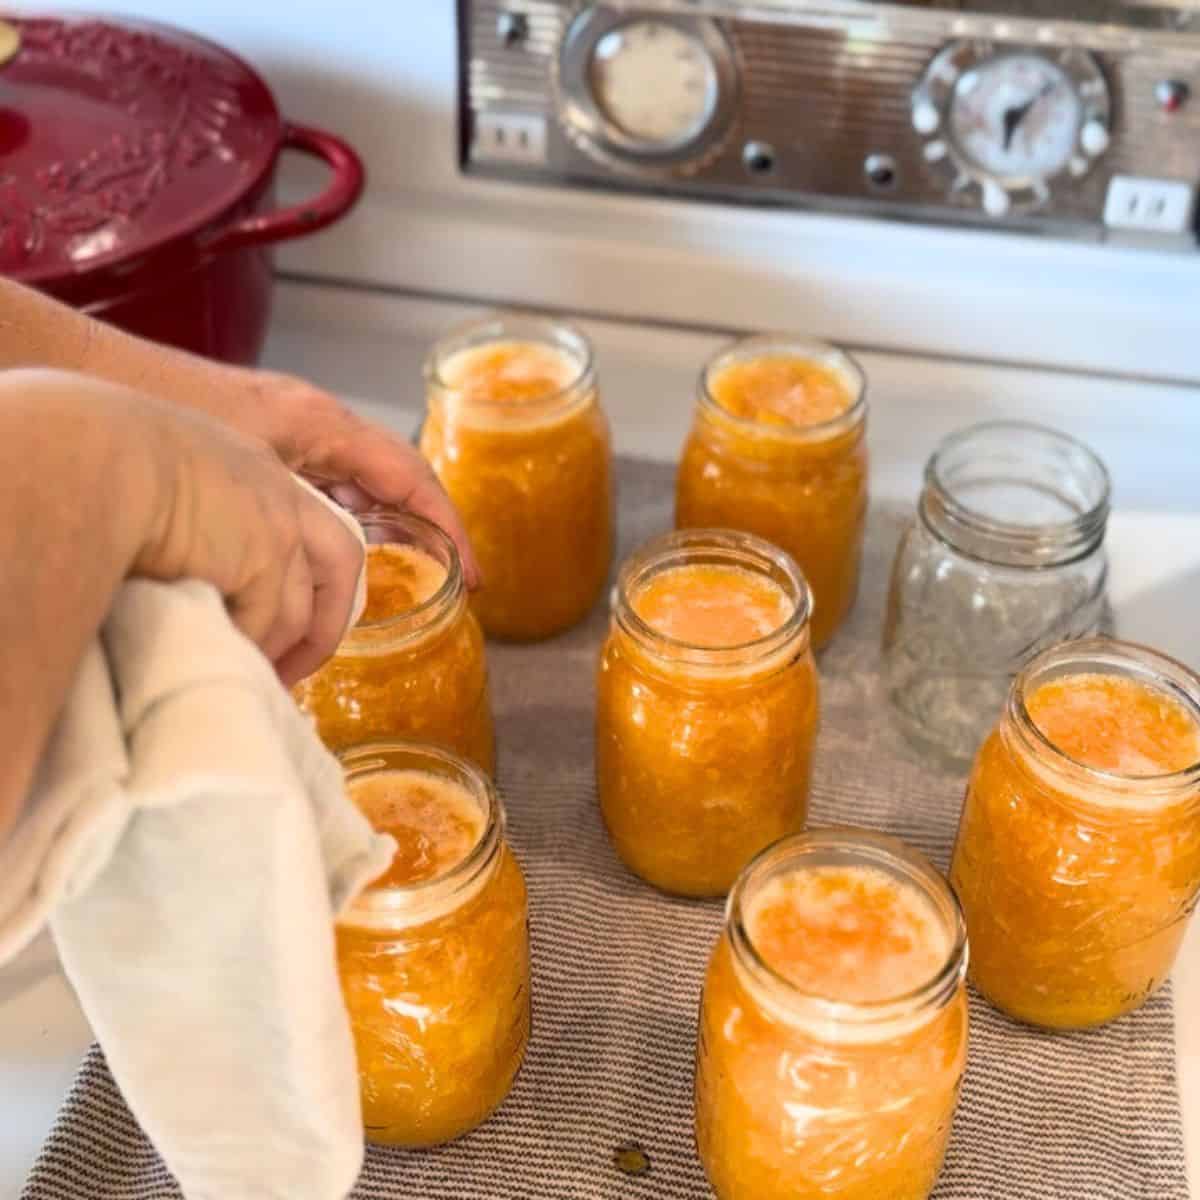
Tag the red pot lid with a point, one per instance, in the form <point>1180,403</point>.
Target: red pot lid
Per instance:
<point>116,139</point>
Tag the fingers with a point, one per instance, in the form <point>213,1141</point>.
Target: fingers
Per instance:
<point>294,607</point>
<point>392,471</point>
<point>334,559</point>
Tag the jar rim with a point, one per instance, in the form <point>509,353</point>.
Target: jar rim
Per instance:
<point>988,538</point>
<point>516,325</point>
<point>758,345</point>
<point>1106,655</point>
<point>728,547</point>
<point>854,846</point>
<point>417,902</point>
<point>450,588</point>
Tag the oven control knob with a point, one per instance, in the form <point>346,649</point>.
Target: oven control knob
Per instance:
<point>996,201</point>
<point>1094,138</point>
<point>512,27</point>
<point>1171,94</point>
<point>925,116</point>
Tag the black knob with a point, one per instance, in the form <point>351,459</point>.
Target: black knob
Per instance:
<point>881,171</point>
<point>758,157</point>
<point>512,27</point>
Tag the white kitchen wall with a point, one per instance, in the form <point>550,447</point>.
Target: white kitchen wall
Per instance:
<point>382,73</point>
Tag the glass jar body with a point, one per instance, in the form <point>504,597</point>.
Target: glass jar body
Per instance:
<point>782,1114</point>
<point>958,629</point>
<point>697,774</point>
<point>440,1012</point>
<point>532,483</point>
<point>429,685</point>
<point>807,495</point>
<point>1075,910</point>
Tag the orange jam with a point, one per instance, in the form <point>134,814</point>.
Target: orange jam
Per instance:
<point>796,1102</point>
<point>435,823</point>
<point>414,665</point>
<point>1078,856</point>
<point>508,375</point>
<point>1116,724</point>
<point>712,606</point>
<point>399,578</point>
<point>434,961</point>
<point>847,933</point>
<point>777,449</point>
<point>516,434</point>
<point>706,717</point>
<point>780,389</point>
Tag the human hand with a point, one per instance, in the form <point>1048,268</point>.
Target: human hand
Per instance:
<point>309,429</point>
<point>361,464</point>
<point>225,510</point>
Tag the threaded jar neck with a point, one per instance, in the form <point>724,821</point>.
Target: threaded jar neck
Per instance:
<point>1017,495</point>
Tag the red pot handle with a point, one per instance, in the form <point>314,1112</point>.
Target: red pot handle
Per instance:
<point>344,189</point>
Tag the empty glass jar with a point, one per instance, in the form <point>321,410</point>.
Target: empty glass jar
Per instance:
<point>1004,557</point>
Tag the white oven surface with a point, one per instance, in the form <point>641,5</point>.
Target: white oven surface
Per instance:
<point>369,347</point>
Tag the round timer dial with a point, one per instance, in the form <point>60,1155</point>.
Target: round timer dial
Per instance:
<point>653,94</point>
<point>654,81</point>
<point>1016,118</point>
<point>1012,123</point>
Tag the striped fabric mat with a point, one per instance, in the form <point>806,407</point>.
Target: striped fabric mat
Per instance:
<point>618,969</point>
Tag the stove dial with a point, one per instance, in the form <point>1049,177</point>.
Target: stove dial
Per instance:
<point>646,90</point>
<point>1012,123</point>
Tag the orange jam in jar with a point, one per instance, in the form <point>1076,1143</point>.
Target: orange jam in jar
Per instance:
<point>706,708</point>
<point>434,956</point>
<point>1078,852</point>
<point>517,436</point>
<point>414,665</point>
<point>777,448</point>
<point>833,1026</point>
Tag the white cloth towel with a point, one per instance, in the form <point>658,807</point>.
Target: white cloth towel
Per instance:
<point>189,841</point>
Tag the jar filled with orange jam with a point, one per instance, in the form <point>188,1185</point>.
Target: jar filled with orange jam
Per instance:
<point>1078,852</point>
<point>414,665</point>
<point>833,1026</point>
<point>778,448</point>
<point>517,436</point>
<point>434,955</point>
<point>706,708</point>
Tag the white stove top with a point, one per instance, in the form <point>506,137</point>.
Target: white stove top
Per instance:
<point>369,346</point>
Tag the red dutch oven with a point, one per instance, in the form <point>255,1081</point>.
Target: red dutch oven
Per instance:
<point>137,173</point>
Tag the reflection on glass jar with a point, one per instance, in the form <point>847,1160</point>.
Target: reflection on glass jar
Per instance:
<point>1078,853</point>
<point>414,665</point>
<point>833,1026</point>
<point>1004,557</point>
<point>517,436</point>
<point>706,708</point>
<point>777,448</point>
<point>434,956</point>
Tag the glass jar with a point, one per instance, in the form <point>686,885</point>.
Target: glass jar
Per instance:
<point>704,752</point>
<point>802,1092</point>
<point>1004,557</point>
<point>408,670</point>
<point>1076,881</point>
<point>801,486</point>
<point>435,974</point>
<point>517,436</point>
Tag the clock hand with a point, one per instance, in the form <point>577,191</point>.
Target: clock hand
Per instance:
<point>1014,116</point>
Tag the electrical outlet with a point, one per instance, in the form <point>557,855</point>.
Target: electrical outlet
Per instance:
<point>507,137</point>
<point>1149,205</point>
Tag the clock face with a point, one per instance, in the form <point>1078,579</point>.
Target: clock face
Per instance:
<point>655,82</point>
<point>1016,117</point>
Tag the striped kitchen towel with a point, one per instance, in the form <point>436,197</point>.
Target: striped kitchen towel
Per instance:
<point>618,969</point>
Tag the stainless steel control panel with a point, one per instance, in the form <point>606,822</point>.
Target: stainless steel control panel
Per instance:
<point>1075,117</point>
